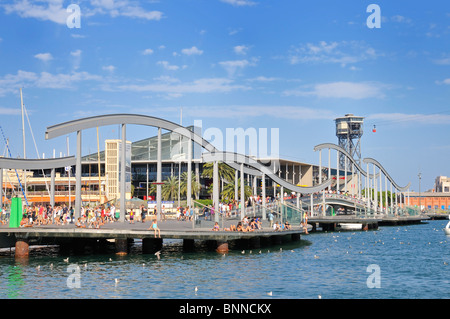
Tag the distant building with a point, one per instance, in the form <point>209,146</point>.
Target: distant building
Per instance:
<point>442,184</point>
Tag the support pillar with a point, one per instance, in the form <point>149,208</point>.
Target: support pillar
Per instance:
<point>151,245</point>
<point>188,244</point>
<point>122,174</point>
<point>263,195</point>
<point>242,192</point>
<point>77,212</point>
<point>22,248</point>
<point>222,247</point>
<point>122,247</point>
<point>189,175</point>
<point>159,176</point>
<point>255,242</point>
<point>52,190</point>
<point>216,194</point>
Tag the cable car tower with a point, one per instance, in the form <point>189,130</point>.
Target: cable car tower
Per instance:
<point>349,130</point>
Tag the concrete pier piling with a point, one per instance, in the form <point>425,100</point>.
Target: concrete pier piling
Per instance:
<point>22,248</point>
<point>121,247</point>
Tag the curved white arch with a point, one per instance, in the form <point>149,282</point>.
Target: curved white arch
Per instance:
<point>229,157</point>
<point>137,119</point>
<point>29,164</point>
<point>343,151</point>
<point>376,163</point>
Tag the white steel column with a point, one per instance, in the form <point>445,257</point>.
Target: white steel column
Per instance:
<point>189,175</point>
<point>122,174</point>
<point>242,192</point>
<point>337,172</point>
<point>159,176</point>
<point>216,190</point>
<point>78,179</point>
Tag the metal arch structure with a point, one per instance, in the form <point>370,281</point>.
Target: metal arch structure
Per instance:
<point>229,157</point>
<point>347,154</point>
<point>137,119</point>
<point>28,164</point>
<point>376,163</point>
<point>365,160</point>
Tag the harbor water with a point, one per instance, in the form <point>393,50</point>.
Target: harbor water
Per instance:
<point>392,262</point>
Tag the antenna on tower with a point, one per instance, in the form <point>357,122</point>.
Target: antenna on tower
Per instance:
<point>349,130</point>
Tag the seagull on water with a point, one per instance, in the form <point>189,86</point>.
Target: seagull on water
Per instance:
<point>157,254</point>
<point>196,289</point>
<point>269,293</point>
<point>66,260</point>
<point>116,281</point>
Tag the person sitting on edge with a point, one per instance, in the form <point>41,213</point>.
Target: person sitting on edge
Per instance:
<point>154,226</point>
<point>287,226</point>
<point>216,227</point>
<point>79,223</point>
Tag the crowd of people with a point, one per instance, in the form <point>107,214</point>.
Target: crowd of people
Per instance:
<point>95,217</point>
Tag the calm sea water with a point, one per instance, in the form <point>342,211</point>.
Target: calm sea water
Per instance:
<point>413,263</point>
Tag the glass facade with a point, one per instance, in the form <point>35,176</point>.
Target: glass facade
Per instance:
<point>173,147</point>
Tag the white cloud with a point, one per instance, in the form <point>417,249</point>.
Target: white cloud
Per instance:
<point>344,52</point>
<point>147,52</point>
<point>239,3</point>
<point>417,118</point>
<point>76,58</point>
<point>9,111</point>
<point>109,68</point>
<point>10,83</point>
<point>124,8</point>
<point>282,112</point>
<point>192,51</point>
<point>350,90</point>
<point>400,19</point>
<point>45,57</point>
<point>263,79</point>
<point>52,11</point>
<point>176,88</point>
<point>443,61</point>
<point>168,66</point>
<point>234,65</point>
<point>241,49</point>
<point>446,81</point>
<point>76,53</point>
<point>56,10</point>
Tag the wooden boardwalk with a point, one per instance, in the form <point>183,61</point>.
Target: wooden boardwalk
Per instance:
<point>121,232</point>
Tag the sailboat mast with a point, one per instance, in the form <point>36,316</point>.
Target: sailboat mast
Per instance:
<point>23,124</point>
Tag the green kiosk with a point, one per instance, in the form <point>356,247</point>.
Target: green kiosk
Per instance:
<point>16,212</point>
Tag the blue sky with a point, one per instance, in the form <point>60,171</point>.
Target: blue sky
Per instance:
<point>291,65</point>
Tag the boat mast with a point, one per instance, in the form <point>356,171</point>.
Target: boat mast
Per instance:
<point>23,124</point>
<point>23,139</point>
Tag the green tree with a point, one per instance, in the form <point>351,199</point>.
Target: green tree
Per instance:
<point>170,188</point>
<point>228,191</point>
<point>225,171</point>
<point>195,186</point>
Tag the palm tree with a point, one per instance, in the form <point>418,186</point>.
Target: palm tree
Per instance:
<point>225,171</point>
<point>228,191</point>
<point>170,188</point>
<point>195,186</point>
